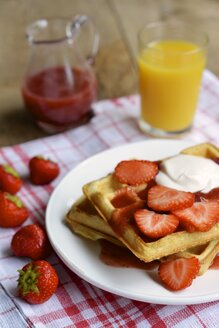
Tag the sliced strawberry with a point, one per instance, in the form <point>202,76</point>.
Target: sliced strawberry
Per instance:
<point>135,172</point>
<point>124,197</point>
<point>201,215</point>
<point>164,199</point>
<point>122,217</point>
<point>188,226</point>
<point>155,225</point>
<point>179,274</point>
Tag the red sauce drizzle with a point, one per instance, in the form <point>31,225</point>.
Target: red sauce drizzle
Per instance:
<point>124,197</point>
<point>122,217</point>
<point>215,263</point>
<point>216,160</point>
<point>118,256</point>
<point>211,195</point>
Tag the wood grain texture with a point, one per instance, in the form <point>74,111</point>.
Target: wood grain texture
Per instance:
<point>118,22</point>
<point>15,124</point>
<point>202,13</point>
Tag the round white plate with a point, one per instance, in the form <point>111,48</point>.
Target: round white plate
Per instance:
<point>82,256</point>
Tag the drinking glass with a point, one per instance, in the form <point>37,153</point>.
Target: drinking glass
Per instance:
<point>171,59</point>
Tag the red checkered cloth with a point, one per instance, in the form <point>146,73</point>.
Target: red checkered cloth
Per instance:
<point>77,303</point>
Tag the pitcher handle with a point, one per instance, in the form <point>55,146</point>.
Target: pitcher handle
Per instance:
<point>73,29</point>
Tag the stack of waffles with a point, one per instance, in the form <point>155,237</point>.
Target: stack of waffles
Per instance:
<point>127,209</point>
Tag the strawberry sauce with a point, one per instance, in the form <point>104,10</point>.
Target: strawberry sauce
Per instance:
<point>211,195</point>
<point>118,256</point>
<point>215,263</point>
<point>124,197</point>
<point>60,97</point>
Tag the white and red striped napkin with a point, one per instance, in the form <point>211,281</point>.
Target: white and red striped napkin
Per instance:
<point>76,303</point>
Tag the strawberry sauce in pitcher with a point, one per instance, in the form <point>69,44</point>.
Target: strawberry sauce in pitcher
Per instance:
<point>60,85</point>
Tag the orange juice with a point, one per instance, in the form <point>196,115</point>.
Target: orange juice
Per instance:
<point>170,73</point>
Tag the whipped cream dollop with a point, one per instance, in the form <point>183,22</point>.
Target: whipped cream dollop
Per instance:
<point>188,173</point>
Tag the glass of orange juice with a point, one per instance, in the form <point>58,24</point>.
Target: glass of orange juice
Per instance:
<point>171,60</point>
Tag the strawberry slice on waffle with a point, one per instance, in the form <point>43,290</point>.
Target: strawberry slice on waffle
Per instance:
<point>135,172</point>
<point>163,199</point>
<point>124,197</point>
<point>201,216</point>
<point>179,274</point>
<point>155,225</point>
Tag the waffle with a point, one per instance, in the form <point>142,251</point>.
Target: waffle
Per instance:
<point>85,221</point>
<point>204,253</point>
<point>102,191</point>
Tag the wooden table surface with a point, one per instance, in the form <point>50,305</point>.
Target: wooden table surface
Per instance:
<point>117,22</point>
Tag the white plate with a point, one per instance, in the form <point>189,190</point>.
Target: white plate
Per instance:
<point>82,256</point>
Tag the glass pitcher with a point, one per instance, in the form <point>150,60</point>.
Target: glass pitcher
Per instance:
<point>60,85</point>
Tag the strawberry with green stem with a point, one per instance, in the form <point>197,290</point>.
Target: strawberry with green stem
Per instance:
<point>12,211</point>
<point>10,180</point>
<point>37,282</point>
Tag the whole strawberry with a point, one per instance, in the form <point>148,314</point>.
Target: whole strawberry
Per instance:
<point>42,171</point>
<point>12,211</point>
<point>10,180</point>
<point>31,241</point>
<point>37,282</point>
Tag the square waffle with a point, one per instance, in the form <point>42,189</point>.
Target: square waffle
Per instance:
<point>84,220</point>
<point>101,194</point>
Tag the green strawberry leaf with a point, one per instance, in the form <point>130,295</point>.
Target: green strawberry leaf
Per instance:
<point>9,169</point>
<point>15,200</point>
<point>28,280</point>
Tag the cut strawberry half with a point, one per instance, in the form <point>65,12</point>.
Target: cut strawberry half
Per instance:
<point>164,199</point>
<point>135,172</point>
<point>201,216</point>
<point>122,217</point>
<point>179,274</point>
<point>124,197</point>
<point>189,227</point>
<point>155,225</point>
